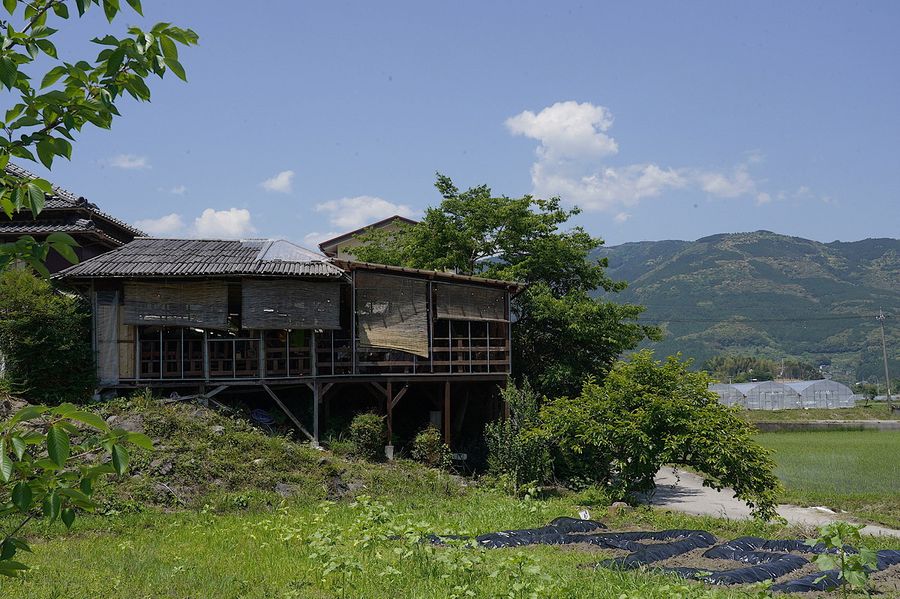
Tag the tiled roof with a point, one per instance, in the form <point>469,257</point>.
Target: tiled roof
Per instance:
<point>149,257</point>
<point>63,199</point>
<point>71,225</point>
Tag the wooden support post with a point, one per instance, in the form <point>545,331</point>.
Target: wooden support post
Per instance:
<point>290,415</point>
<point>389,405</point>
<point>447,423</point>
<point>316,400</point>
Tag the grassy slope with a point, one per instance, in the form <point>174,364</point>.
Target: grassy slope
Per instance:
<point>237,538</point>
<point>854,471</point>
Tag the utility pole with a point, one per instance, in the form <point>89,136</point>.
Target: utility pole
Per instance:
<point>887,376</point>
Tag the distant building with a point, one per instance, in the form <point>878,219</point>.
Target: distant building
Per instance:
<point>341,247</point>
<point>65,212</point>
<point>774,395</point>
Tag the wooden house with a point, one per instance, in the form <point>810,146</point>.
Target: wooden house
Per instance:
<point>207,316</point>
<point>65,212</point>
<point>342,246</point>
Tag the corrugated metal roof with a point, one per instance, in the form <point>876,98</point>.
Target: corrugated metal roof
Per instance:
<point>63,199</point>
<point>150,257</point>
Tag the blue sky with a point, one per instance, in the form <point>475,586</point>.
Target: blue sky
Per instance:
<point>660,119</point>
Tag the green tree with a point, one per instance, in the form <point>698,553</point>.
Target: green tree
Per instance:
<point>45,340</point>
<point>562,334</point>
<point>52,97</point>
<point>646,414</point>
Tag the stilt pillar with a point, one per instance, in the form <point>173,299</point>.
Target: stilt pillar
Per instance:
<point>447,421</point>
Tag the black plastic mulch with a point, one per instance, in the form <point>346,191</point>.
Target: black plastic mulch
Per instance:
<point>764,559</point>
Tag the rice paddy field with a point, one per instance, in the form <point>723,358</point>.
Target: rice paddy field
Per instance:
<point>854,471</point>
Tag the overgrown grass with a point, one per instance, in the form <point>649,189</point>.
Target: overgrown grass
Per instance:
<point>308,549</point>
<point>217,528</point>
<point>854,471</point>
<point>874,411</point>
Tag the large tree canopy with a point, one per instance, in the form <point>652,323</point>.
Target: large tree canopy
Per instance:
<point>562,333</point>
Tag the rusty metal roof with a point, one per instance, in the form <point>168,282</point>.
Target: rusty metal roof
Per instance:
<point>435,275</point>
<point>154,258</point>
<point>63,199</point>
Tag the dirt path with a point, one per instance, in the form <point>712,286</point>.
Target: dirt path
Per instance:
<point>684,492</point>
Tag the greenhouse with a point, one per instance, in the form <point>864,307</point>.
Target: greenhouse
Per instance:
<point>823,394</point>
<point>773,395</point>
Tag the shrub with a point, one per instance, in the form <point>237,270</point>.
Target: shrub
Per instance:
<point>515,451</point>
<point>853,565</point>
<point>367,432</point>
<point>430,449</point>
<point>45,338</point>
<point>648,413</point>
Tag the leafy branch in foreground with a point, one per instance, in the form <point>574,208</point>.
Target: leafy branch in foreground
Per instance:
<point>53,99</point>
<point>48,464</point>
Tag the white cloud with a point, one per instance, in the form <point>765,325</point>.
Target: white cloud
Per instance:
<point>763,198</point>
<point>312,240</point>
<point>233,223</point>
<point>128,161</point>
<point>178,190</point>
<point>169,224</point>
<point>283,182</point>
<point>353,213</point>
<point>621,217</point>
<point>574,142</point>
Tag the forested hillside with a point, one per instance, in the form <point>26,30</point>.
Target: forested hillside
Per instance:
<point>768,295</point>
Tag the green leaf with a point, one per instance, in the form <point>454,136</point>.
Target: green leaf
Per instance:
<point>11,569</point>
<point>53,76</point>
<point>45,151</point>
<point>58,445</point>
<point>7,550</point>
<point>9,72</point>
<point>36,196</point>
<point>51,505</point>
<point>136,5</point>
<point>120,459</point>
<point>6,464</point>
<point>110,7</point>
<point>26,413</point>
<point>169,49</point>
<point>19,446</point>
<point>10,5</point>
<point>86,485</point>
<point>141,440</point>
<point>61,10</point>
<point>90,419</point>
<point>22,496</point>
<point>43,185</point>
<point>176,68</point>
<point>47,47</point>
<point>68,517</point>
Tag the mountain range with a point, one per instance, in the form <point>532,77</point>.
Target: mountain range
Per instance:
<point>768,295</point>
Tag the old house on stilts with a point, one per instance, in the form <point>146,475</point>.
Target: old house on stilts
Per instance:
<point>317,336</point>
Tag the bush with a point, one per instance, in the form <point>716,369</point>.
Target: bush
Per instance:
<point>647,414</point>
<point>367,432</point>
<point>515,451</point>
<point>45,338</point>
<point>430,449</point>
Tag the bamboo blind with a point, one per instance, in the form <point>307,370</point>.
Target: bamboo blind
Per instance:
<point>392,313</point>
<point>107,336</point>
<point>202,304</point>
<point>290,304</point>
<point>470,302</point>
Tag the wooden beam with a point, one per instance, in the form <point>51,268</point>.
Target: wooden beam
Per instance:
<point>289,414</point>
<point>399,396</point>
<point>316,401</point>
<point>325,389</point>
<point>447,424</point>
